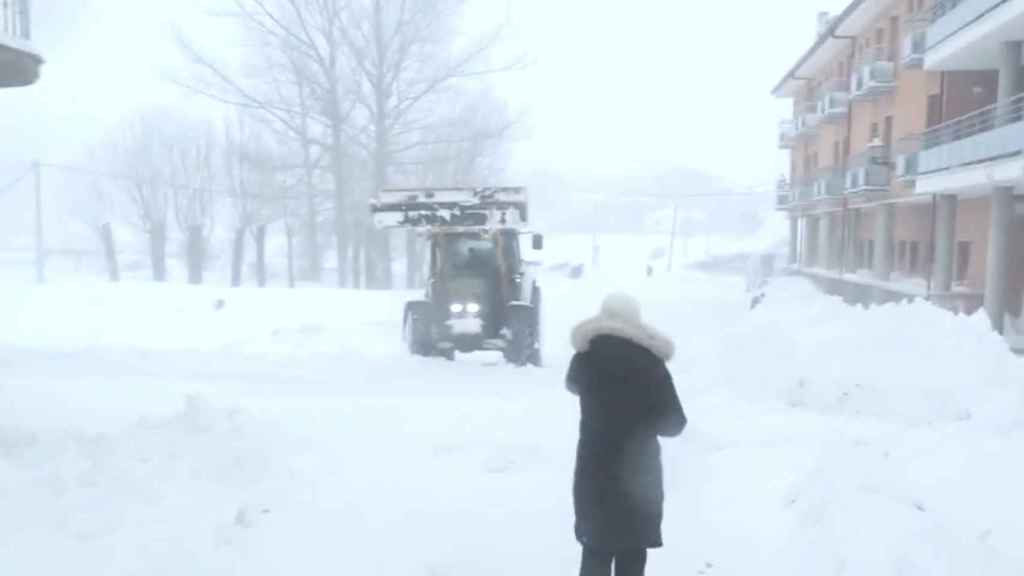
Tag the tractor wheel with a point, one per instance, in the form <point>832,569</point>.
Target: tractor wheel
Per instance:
<point>416,335</point>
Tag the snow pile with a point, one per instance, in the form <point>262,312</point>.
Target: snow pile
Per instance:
<point>911,362</point>
<point>177,430</point>
<point>95,315</point>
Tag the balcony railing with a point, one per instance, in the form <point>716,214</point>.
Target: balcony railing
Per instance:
<point>984,135</point>
<point>915,42</point>
<point>870,171</point>
<point>907,152</point>
<point>807,120</point>
<point>950,16</point>
<point>830,183</point>
<point>834,106</point>
<point>15,19</point>
<point>875,76</point>
<point>782,193</point>
<point>787,134</point>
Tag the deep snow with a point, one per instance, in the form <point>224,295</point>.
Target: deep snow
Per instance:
<point>156,430</point>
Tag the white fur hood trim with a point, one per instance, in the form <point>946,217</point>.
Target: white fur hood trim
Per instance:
<point>620,316</point>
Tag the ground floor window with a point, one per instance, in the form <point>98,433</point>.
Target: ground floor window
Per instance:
<point>915,254</point>
<point>901,259</point>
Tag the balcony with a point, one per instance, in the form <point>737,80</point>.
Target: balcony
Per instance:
<point>874,78</point>
<point>19,63</point>
<point>782,193</point>
<point>968,34</point>
<point>834,107</point>
<point>830,183</point>
<point>908,152</point>
<point>870,171</point>
<point>787,135</point>
<point>915,42</point>
<point>985,135</point>
<point>807,121</point>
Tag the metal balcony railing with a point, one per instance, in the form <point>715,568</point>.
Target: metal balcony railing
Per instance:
<point>16,19</point>
<point>787,134</point>
<point>951,16</point>
<point>834,106</point>
<point>875,76</point>
<point>915,41</point>
<point>830,182</point>
<point>782,193</point>
<point>907,152</point>
<point>983,135</point>
<point>869,171</point>
<point>807,119</point>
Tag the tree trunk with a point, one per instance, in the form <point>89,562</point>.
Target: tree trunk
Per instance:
<point>338,175</point>
<point>341,245</point>
<point>238,257</point>
<point>379,246</point>
<point>158,251</point>
<point>260,235</point>
<point>195,255</point>
<point>357,261</point>
<point>110,252</point>
<point>290,235</point>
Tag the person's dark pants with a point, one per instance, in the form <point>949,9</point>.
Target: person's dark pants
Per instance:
<point>597,563</point>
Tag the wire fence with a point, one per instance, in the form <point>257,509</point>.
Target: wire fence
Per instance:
<point>54,220</point>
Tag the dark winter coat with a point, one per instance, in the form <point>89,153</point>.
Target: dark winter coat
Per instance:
<point>627,400</point>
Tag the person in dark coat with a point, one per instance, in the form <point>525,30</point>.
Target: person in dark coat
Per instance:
<point>627,400</point>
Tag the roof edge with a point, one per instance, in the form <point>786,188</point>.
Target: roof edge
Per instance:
<point>828,34</point>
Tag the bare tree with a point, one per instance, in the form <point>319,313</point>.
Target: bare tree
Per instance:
<point>139,152</point>
<point>356,79</point>
<point>407,57</point>
<point>191,170</point>
<point>465,147</point>
<point>299,87</point>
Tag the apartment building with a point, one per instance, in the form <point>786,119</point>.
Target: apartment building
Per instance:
<point>907,154</point>
<point>19,61</point>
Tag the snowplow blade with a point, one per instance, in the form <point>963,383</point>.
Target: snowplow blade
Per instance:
<point>432,207</point>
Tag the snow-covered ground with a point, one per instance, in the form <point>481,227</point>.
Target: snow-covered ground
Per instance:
<point>172,430</point>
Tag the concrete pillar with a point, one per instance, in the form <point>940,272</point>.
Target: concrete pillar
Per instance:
<point>997,266</point>
<point>852,226</point>
<point>945,244</point>
<point>884,222</point>
<point>1009,71</point>
<point>810,241</point>
<point>794,240</point>
<point>825,241</point>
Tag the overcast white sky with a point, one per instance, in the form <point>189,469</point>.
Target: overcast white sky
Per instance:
<point>615,87</point>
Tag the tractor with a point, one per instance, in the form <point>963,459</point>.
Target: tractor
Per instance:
<point>481,295</point>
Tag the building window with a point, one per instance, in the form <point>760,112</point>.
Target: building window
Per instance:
<point>963,261</point>
<point>870,249</point>
<point>901,260</point>
<point>875,131</point>
<point>915,255</point>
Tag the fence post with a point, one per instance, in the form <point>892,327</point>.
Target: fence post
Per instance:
<point>40,249</point>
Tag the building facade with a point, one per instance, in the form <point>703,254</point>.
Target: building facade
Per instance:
<point>907,153</point>
<point>19,61</point>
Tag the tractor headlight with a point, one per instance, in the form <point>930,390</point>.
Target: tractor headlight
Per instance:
<point>473,308</point>
<point>456,308</point>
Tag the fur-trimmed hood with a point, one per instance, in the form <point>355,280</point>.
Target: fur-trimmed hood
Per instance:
<point>620,316</point>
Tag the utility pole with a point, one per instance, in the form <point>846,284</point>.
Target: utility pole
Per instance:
<point>40,250</point>
<point>672,240</point>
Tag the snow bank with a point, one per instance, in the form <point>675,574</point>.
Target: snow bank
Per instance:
<point>95,315</point>
<point>910,362</point>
